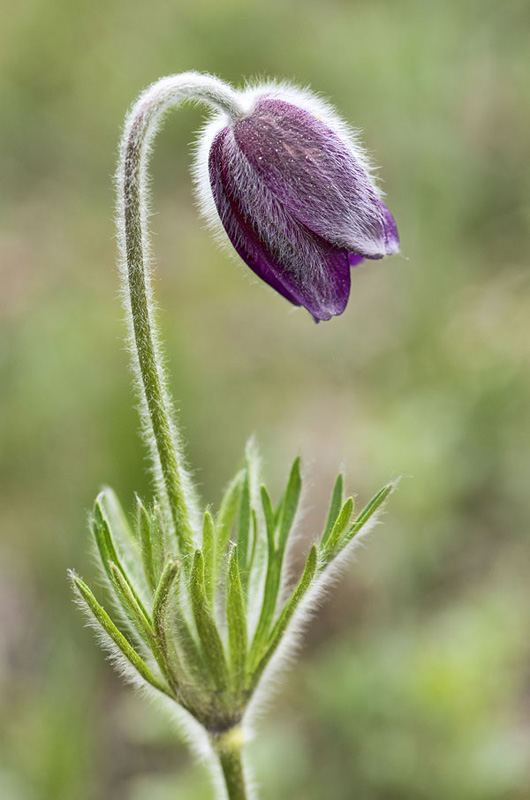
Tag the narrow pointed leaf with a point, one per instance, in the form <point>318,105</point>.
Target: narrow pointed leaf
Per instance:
<point>158,541</point>
<point>101,532</point>
<point>290,504</point>
<point>225,518</point>
<point>252,462</point>
<point>302,587</point>
<point>212,645</point>
<point>334,509</point>
<point>115,515</point>
<point>271,590</point>
<point>243,528</point>
<point>109,554</point>
<point>117,637</point>
<point>341,523</point>
<point>278,513</point>
<point>161,597</point>
<point>188,648</point>
<point>171,661</point>
<point>268,513</point>
<point>236,622</point>
<point>284,521</point>
<point>286,614</point>
<point>255,532</point>
<point>368,511</point>
<point>208,552</point>
<point>144,530</point>
<point>134,611</point>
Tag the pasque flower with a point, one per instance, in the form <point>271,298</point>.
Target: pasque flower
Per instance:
<point>295,194</point>
<point>204,609</point>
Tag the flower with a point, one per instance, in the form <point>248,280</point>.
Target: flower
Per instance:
<point>295,195</point>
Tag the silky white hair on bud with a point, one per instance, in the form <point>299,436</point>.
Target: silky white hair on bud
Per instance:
<point>303,98</point>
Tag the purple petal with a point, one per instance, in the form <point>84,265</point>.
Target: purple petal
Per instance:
<point>354,259</point>
<point>303,267</point>
<point>391,233</point>
<point>312,173</point>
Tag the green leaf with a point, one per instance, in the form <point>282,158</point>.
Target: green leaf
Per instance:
<point>268,513</point>
<point>282,520</point>
<point>146,548</point>
<point>243,528</point>
<point>158,541</point>
<point>271,589</point>
<point>290,504</point>
<point>286,614</point>
<point>109,554</point>
<point>188,647</point>
<point>252,461</point>
<point>161,597</point>
<point>236,621</point>
<point>208,551</point>
<point>340,526</point>
<point>368,511</point>
<point>115,515</point>
<point>225,519</point>
<point>293,602</point>
<point>137,615</point>
<point>170,661</point>
<point>334,509</point>
<point>105,622</point>
<point>101,532</point>
<point>255,533</point>
<point>212,645</point>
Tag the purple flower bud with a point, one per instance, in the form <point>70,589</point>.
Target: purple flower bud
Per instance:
<point>295,195</point>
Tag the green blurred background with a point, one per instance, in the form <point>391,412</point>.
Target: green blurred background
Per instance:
<point>414,681</point>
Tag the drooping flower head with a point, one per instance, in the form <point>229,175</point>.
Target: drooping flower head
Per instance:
<point>295,194</point>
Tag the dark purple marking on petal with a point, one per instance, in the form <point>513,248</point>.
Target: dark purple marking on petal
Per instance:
<point>327,294</point>
<point>310,170</point>
<point>354,259</point>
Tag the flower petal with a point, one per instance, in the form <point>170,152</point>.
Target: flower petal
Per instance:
<point>303,267</point>
<point>391,233</point>
<point>311,172</point>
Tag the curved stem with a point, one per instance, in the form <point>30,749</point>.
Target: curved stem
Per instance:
<point>228,748</point>
<point>173,483</point>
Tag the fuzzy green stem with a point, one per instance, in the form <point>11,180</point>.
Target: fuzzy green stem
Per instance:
<point>228,748</point>
<point>157,413</point>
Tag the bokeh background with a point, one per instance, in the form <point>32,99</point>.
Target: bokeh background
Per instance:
<point>414,681</point>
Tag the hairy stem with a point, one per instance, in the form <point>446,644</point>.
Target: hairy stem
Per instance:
<point>228,748</point>
<point>173,483</point>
